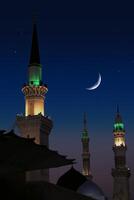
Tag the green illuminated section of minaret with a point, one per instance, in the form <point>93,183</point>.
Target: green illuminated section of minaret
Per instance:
<point>118,127</point>
<point>85,134</point>
<point>85,131</point>
<point>35,75</point>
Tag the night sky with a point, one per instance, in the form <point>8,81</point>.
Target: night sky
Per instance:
<point>78,40</point>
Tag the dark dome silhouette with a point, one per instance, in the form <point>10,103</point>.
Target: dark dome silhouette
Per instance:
<point>72,179</point>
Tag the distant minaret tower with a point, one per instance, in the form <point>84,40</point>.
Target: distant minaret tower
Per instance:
<point>86,154</point>
<point>121,172</point>
<point>34,123</point>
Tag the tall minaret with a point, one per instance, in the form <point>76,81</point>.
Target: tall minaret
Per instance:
<point>35,90</point>
<point>34,123</point>
<point>86,154</point>
<point>121,172</point>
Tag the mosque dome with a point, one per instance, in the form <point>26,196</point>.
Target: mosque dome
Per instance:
<point>91,189</point>
<point>72,179</point>
<point>75,181</point>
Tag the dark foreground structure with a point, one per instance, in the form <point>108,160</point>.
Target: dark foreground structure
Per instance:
<point>17,155</point>
<point>38,191</point>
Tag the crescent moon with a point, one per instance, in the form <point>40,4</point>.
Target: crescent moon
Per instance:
<point>96,85</point>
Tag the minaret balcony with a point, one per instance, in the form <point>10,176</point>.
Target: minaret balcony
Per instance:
<point>40,90</point>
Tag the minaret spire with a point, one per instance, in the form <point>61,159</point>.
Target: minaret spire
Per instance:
<point>120,173</point>
<point>85,122</point>
<point>35,55</point>
<point>86,154</point>
<point>118,109</point>
<point>118,118</point>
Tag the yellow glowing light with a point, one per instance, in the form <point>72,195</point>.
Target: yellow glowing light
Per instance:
<point>34,106</point>
<point>85,172</point>
<point>119,141</point>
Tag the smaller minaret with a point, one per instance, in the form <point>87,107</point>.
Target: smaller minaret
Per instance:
<point>121,172</point>
<point>85,155</point>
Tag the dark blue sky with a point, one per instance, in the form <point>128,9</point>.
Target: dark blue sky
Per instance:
<point>78,40</point>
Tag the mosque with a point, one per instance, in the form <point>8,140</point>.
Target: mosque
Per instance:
<point>35,124</point>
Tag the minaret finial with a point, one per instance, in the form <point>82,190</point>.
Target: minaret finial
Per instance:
<point>118,109</point>
<point>118,117</point>
<point>34,17</point>
<point>85,121</point>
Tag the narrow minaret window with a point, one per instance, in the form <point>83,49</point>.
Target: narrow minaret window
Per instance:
<point>35,90</point>
<point>85,148</point>
<point>120,172</point>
